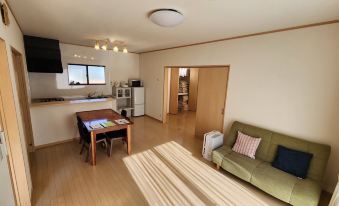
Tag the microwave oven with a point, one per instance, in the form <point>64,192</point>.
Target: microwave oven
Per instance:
<point>135,83</point>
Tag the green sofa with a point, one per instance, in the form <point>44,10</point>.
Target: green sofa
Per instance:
<point>261,174</point>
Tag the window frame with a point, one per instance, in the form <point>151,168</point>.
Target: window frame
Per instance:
<point>87,76</point>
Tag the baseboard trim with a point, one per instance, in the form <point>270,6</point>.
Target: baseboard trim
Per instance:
<point>54,143</point>
<point>153,118</point>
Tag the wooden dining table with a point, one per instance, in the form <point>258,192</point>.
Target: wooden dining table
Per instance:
<point>94,117</point>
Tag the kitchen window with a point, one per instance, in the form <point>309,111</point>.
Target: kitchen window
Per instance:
<point>80,74</point>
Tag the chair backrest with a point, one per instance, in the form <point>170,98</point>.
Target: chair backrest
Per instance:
<point>124,113</point>
<point>83,132</point>
<point>270,141</point>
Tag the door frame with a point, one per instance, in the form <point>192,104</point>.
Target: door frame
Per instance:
<point>166,93</point>
<point>21,83</point>
<point>12,133</point>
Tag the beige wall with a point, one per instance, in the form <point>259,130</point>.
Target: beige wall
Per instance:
<point>13,38</point>
<point>119,67</point>
<point>286,81</point>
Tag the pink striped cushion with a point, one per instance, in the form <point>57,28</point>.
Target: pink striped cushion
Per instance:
<point>246,145</point>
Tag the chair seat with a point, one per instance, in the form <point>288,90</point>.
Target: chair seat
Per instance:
<point>117,134</point>
<point>305,192</point>
<point>274,181</point>
<point>99,137</point>
<point>240,165</point>
<point>219,154</point>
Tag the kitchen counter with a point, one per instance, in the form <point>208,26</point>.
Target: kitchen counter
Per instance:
<point>68,102</point>
<point>55,122</point>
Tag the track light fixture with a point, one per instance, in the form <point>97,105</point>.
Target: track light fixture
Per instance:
<point>104,46</point>
<point>106,43</point>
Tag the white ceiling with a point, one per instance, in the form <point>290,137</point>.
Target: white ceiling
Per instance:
<point>83,21</point>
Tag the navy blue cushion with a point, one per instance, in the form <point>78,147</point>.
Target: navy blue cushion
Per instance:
<point>292,161</point>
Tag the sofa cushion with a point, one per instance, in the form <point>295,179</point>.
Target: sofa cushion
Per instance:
<point>240,165</point>
<point>292,161</point>
<point>274,181</point>
<point>320,153</point>
<point>264,134</point>
<point>319,161</point>
<point>218,154</point>
<point>305,192</point>
<point>246,145</point>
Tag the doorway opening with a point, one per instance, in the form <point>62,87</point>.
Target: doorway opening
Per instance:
<point>198,91</point>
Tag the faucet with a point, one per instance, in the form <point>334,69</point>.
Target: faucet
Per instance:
<point>91,94</point>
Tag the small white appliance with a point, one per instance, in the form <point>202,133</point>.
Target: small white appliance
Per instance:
<point>138,101</point>
<point>212,140</point>
<point>135,83</point>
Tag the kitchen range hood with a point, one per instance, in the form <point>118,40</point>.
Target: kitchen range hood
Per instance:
<point>42,55</point>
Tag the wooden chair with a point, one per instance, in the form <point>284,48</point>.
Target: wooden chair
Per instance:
<point>119,134</point>
<point>85,138</point>
<point>79,120</point>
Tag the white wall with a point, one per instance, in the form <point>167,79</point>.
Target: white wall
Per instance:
<point>13,38</point>
<point>287,82</point>
<point>120,67</point>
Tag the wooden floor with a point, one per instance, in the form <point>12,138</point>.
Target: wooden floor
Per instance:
<point>61,177</point>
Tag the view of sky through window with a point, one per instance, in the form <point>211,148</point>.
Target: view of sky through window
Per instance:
<point>86,74</point>
<point>96,75</point>
<point>77,74</point>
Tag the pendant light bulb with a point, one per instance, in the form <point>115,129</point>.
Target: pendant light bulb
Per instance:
<point>115,49</point>
<point>104,47</point>
<point>125,50</point>
<point>97,45</point>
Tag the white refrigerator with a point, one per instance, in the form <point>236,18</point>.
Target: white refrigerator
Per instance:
<point>138,102</point>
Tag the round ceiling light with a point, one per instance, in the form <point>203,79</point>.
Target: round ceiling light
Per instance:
<point>166,17</point>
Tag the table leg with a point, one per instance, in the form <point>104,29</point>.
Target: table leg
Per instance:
<point>94,145</point>
<point>129,139</point>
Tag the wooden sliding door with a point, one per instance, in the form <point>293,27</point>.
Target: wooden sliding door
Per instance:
<point>174,89</point>
<point>11,135</point>
<point>6,190</point>
<point>212,90</point>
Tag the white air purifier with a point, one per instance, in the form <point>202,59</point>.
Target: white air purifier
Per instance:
<point>212,140</point>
